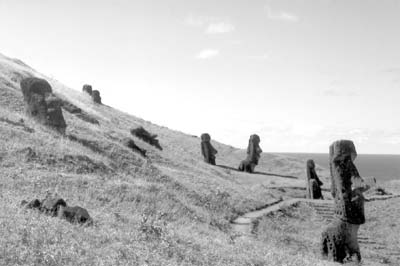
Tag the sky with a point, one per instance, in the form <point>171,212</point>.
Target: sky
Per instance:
<point>299,73</point>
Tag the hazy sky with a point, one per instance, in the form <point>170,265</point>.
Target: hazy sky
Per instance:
<point>300,73</point>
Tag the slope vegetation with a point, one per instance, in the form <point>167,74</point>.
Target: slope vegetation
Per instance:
<point>168,208</point>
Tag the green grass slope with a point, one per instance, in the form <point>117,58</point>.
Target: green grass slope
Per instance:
<point>167,209</point>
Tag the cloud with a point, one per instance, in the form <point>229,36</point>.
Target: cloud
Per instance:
<point>281,15</point>
<point>219,27</point>
<point>207,54</point>
<point>210,25</point>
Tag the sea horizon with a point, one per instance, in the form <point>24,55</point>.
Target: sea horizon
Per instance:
<point>384,167</point>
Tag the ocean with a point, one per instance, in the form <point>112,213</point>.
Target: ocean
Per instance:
<point>383,167</point>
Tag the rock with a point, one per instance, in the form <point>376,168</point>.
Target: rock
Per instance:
<point>87,88</point>
<point>96,96</point>
<point>131,144</point>
<point>207,150</point>
<point>253,154</point>
<point>75,214</point>
<point>50,205</point>
<point>34,204</point>
<point>146,136</point>
<point>313,184</point>
<point>41,104</point>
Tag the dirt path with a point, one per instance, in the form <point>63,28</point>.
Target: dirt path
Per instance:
<point>244,224</point>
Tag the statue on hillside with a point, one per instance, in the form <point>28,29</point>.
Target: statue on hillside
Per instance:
<point>207,150</point>
<point>339,241</point>
<point>253,155</point>
<point>96,96</point>
<point>313,183</point>
<point>87,88</point>
<point>41,104</point>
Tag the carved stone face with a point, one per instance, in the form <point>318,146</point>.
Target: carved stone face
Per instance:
<point>310,164</point>
<point>205,137</point>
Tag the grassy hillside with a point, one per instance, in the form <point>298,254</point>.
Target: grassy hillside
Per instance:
<point>167,209</point>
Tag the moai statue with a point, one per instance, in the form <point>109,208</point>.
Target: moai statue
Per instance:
<point>41,104</point>
<point>96,96</point>
<point>87,88</point>
<point>253,155</point>
<point>339,240</point>
<point>207,150</point>
<point>313,183</point>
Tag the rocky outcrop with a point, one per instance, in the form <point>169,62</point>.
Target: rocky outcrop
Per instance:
<point>207,150</point>
<point>146,136</point>
<point>132,145</point>
<point>41,104</point>
<point>56,206</point>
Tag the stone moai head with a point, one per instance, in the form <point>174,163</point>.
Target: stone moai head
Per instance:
<point>87,88</point>
<point>205,137</point>
<point>41,104</point>
<point>310,166</point>
<point>96,96</point>
<point>35,91</point>
<point>342,153</point>
<point>253,149</point>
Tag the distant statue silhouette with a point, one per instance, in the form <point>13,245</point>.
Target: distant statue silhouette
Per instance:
<point>253,155</point>
<point>207,150</point>
<point>313,182</point>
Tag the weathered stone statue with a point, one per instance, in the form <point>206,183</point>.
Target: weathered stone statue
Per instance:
<point>56,206</point>
<point>339,240</point>
<point>313,183</point>
<point>41,104</point>
<point>96,96</point>
<point>207,150</point>
<point>87,88</point>
<point>253,155</point>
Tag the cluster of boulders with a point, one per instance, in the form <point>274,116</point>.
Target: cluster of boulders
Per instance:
<point>42,104</point>
<point>146,136</point>
<point>94,93</point>
<point>57,207</point>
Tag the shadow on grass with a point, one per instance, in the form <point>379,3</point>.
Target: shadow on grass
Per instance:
<point>258,173</point>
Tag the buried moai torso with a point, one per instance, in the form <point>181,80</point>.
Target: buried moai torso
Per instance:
<point>313,183</point>
<point>207,150</point>
<point>253,155</point>
<point>339,240</point>
<point>41,104</point>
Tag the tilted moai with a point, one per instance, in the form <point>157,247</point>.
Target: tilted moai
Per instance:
<point>55,206</point>
<point>96,96</point>
<point>207,150</point>
<point>313,185</point>
<point>87,88</point>
<point>253,155</point>
<point>41,104</point>
<point>339,240</point>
